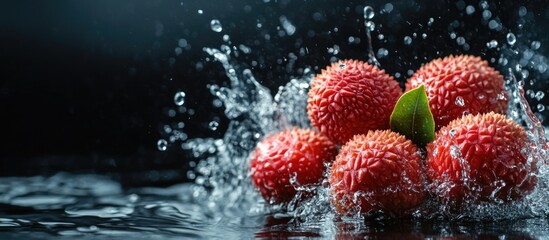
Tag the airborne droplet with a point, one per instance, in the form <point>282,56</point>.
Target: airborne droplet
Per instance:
<point>540,107</point>
<point>407,40</point>
<point>535,45</point>
<point>492,44</point>
<point>382,52</point>
<point>213,125</point>
<point>162,145</point>
<point>179,98</point>
<point>431,21</point>
<point>470,10</point>
<point>511,39</point>
<point>216,25</point>
<point>369,12</point>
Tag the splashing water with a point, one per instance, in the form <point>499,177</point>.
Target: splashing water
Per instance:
<point>370,26</point>
<point>253,112</point>
<point>222,192</point>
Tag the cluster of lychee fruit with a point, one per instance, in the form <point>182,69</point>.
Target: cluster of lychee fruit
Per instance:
<point>477,155</point>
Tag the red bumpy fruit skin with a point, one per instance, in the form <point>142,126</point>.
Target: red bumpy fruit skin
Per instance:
<point>487,150</point>
<point>382,170</point>
<point>457,85</point>
<point>351,97</point>
<point>295,152</point>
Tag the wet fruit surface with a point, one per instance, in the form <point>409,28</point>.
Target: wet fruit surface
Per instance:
<point>377,171</point>
<point>351,97</point>
<point>290,159</point>
<point>480,158</point>
<point>458,85</point>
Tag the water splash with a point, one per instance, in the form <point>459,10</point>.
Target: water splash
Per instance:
<point>222,179</point>
<point>370,27</point>
<point>215,25</point>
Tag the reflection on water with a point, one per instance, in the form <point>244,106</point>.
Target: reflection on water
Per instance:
<point>95,207</point>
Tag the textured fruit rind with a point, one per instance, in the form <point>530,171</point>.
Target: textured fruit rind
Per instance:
<point>351,97</point>
<point>480,158</point>
<point>299,153</point>
<point>377,171</point>
<point>462,84</point>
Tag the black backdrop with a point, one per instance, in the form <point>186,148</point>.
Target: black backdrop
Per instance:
<point>86,84</point>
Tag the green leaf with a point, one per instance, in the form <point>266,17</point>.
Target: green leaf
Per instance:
<point>412,117</point>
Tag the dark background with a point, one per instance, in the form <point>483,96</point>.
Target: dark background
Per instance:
<point>86,85</point>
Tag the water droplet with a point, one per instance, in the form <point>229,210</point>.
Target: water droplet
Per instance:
<point>370,25</point>
<point>541,107</point>
<point>213,125</point>
<point>492,44</point>
<point>178,51</point>
<point>388,7</point>
<point>162,145</point>
<point>287,25</point>
<point>245,49</point>
<point>486,14</point>
<point>470,10</point>
<point>539,95</point>
<point>200,11</point>
<point>503,61</point>
<point>167,129</point>
<point>226,38</point>
<point>435,152</point>
<point>501,96</point>
<point>518,67</point>
<point>493,24</point>
<point>232,72</point>
<point>535,45</point>
<point>182,43</point>
<point>481,96</point>
<point>522,11</point>
<point>342,66</point>
<point>382,52</point>
<point>216,25</point>
<point>407,40</point>
<point>351,39</point>
<point>430,22</point>
<point>511,39</point>
<point>460,40</point>
<point>452,133</point>
<point>179,98</point>
<point>530,93</point>
<point>369,12</point>
<point>459,101</point>
<point>171,113</point>
<point>524,73</point>
<point>454,152</point>
<point>380,36</point>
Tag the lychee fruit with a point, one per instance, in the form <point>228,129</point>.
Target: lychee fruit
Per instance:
<point>379,171</point>
<point>458,85</point>
<point>480,158</point>
<point>351,97</point>
<point>288,160</point>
